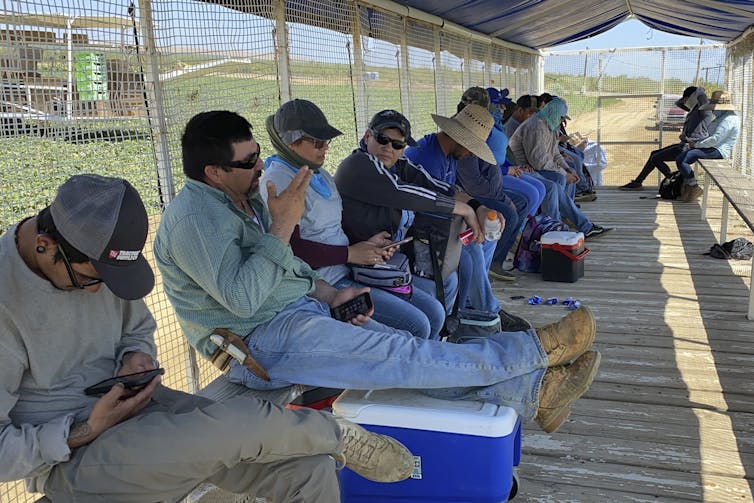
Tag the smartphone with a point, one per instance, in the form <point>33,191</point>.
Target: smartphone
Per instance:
<point>398,243</point>
<point>361,304</point>
<point>134,382</point>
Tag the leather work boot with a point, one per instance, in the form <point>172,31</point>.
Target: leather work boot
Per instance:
<point>561,387</point>
<point>693,193</point>
<point>373,456</point>
<point>568,337</point>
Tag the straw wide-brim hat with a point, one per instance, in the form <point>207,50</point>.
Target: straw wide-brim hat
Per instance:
<point>720,100</point>
<point>470,128</point>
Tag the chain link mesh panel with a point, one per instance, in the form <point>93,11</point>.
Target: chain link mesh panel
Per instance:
<point>741,87</point>
<point>478,64</point>
<point>422,77</point>
<point>624,99</point>
<point>452,50</point>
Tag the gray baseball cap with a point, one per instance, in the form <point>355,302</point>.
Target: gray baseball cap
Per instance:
<point>392,119</point>
<point>298,118</point>
<point>105,219</point>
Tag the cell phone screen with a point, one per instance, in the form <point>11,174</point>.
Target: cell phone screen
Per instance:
<point>360,304</point>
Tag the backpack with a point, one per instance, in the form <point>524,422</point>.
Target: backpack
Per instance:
<point>739,248</point>
<point>527,257</point>
<point>436,249</point>
<point>670,187</point>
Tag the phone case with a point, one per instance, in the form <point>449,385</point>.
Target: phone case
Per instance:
<point>350,309</point>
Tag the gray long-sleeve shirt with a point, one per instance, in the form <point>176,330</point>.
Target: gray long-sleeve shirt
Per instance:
<point>535,145</point>
<point>53,344</point>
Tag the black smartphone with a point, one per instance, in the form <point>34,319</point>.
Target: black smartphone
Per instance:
<point>134,382</point>
<point>361,304</point>
<point>398,243</point>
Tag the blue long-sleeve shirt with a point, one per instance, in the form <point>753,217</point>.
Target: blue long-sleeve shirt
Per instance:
<point>723,133</point>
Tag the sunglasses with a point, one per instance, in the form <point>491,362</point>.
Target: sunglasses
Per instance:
<point>384,139</point>
<point>249,163</point>
<point>73,275</point>
<point>318,144</point>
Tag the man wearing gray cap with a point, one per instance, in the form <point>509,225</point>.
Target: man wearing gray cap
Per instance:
<point>72,282</point>
<point>226,261</point>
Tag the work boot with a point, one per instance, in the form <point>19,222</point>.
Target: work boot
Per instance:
<point>497,272</point>
<point>562,386</point>
<point>568,337</point>
<point>684,192</point>
<point>511,323</point>
<point>373,456</point>
<point>693,193</point>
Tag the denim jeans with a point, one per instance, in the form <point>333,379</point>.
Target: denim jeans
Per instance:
<point>568,208</point>
<point>450,285</point>
<point>423,315</point>
<point>689,157</point>
<point>302,344</point>
<point>513,218</point>
<point>551,202</point>
<point>529,187</point>
<point>474,289</point>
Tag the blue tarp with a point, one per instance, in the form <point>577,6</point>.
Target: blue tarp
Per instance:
<point>547,23</point>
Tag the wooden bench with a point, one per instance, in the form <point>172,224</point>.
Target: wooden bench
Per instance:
<point>738,191</point>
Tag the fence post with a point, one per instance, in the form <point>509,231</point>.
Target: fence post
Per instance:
<point>403,71</point>
<point>358,74</point>
<point>440,104</point>
<point>282,56</point>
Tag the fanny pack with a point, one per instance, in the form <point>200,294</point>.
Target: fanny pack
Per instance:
<point>395,273</point>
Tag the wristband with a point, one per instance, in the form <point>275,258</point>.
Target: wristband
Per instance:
<point>474,204</point>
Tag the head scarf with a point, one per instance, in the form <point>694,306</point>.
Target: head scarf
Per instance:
<point>553,112</point>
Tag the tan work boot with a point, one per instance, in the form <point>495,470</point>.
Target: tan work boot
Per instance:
<point>561,387</point>
<point>569,337</point>
<point>694,192</point>
<point>373,456</point>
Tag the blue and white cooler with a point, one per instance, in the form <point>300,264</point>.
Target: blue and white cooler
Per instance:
<point>463,451</point>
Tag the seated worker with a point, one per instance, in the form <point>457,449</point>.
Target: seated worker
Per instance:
<point>460,137</point>
<point>73,278</point>
<point>226,262</point>
<point>534,144</point>
<point>382,189</point>
<point>694,129</point>
<point>300,134</point>
<point>723,133</point>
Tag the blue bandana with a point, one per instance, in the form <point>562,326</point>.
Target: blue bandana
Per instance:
<point>317,181</point>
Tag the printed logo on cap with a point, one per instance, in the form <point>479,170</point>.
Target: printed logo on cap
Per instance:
<point>128,255</point>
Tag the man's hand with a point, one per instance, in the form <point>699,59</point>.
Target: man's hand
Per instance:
<point>287,207</point>
<point>136,362</point>
<point>380,239</point>
<point>515,171</point>
<point>571,177</point>
<point>113,408</point>
<point>347,294</point>
<point>481,214</point>
<point>469,217</point>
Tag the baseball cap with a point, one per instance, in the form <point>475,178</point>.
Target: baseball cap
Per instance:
<point>392,119</point>
<point>105,219</point>
<point>298,118</point>
<point>500,96</point>
<point>476,96</point>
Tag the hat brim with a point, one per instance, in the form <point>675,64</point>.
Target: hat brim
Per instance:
<point>718,106</point>
<point>326,132</point>
<point>396,125</point>
<point>463,137</point>
<point>131,282</point>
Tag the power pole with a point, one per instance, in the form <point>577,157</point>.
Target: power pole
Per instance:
<point>698,63</point>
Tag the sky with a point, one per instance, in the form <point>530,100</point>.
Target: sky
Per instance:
<point>631,33</point>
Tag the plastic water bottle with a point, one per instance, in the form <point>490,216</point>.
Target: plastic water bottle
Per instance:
<point>493,227</point>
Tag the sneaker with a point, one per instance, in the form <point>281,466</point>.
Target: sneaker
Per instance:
<point>512,323</point>
<point>632,185</point>
<point>497,272</point>
<point>693,193</point>
<point>373,456</point>
<point>596,231</point>
<point>562,386</point>
<point>568,337</point>
<point>585,197</point>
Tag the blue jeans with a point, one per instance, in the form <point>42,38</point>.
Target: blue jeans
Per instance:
<point>422,315</point>
<point>474,289</point>
<point>450,286</point>
<point>302,344</point>
<point>529,187</point>
<point>567,207</point>
<point>513,210</point>
<point>689,157</point>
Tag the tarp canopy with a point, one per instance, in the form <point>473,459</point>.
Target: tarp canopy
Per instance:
<point>547,23</point>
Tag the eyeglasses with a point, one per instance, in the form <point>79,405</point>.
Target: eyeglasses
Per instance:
<point>384,139</point>
<point>72,274</point>
<point>249,163</point>
<point>318,144</point>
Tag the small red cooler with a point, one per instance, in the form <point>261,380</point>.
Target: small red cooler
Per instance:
<point>563,254</point>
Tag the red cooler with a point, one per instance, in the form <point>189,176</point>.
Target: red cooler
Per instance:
<point>563,254</point>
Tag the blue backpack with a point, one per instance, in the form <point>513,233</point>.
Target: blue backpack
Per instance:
<point>527,254</point>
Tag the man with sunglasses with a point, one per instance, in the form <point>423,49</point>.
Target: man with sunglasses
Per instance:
<point>226,261</point>
<point>73,282</point>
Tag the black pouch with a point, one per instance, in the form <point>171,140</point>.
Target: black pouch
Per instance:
<point>395,273</point>
<point>471,324</point>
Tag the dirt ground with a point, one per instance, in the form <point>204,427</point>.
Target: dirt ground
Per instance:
<point>627,131</point>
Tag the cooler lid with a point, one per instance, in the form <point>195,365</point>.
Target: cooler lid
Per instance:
<point>405,408</point>
<point>567,238</point>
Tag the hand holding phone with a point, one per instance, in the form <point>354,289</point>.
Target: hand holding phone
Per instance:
<point>133,382</point>
<point>361,304</point>
<point>398,243</point>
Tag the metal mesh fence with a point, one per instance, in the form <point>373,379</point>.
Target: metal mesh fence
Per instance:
<point>741,87</point>
<point>623,99</point>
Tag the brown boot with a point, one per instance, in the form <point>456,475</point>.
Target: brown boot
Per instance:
<point>694,193</point>
<point>567,338</point>
<point>561,387</point>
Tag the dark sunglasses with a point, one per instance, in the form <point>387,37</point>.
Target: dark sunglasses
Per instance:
<point>384,139</point>
<point>73,275</point>
<point>249,163</point>
<point>318,144</point>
